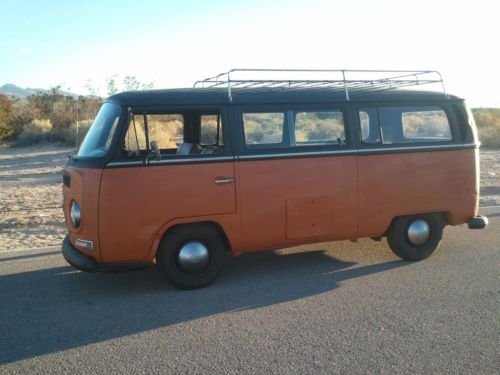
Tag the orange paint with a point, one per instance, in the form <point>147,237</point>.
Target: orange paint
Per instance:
<point>272,204</point>
<point>85,184</point>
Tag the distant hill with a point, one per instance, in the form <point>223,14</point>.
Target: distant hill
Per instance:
<point>11,89</point>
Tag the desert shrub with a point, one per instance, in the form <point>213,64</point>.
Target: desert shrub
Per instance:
<point>62,113</point>
<point>37,131</point>
<point>488,126</point>
<point>6,115</point>
<point>22,115</point>
<point>70,133</point>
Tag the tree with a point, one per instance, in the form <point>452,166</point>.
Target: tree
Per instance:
<point>6,117</point>
<point>92,91</point>
<point>131,83</point>
<point>111,85</point>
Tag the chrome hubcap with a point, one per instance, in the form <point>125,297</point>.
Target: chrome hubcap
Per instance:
<point>419,232</point>
<point>193,257</point>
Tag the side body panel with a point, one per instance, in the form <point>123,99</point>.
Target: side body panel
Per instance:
<point>416,182</point>
<point>296,200</point>
<point>137,203</point>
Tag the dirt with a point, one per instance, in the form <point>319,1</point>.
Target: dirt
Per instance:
<point>31,194</point>
<point>490,177</point>
<point>31,197</point>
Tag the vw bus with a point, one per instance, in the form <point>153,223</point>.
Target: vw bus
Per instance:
<point>181,177</point>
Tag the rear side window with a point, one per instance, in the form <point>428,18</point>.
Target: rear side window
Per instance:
<point>318,128</point>
<point>393,125</point>
<point>428,125</point>
<point>263,128</point>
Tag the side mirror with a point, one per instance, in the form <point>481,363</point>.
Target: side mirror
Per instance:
<point>155,151</point>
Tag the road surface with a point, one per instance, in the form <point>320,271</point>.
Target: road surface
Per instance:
<point>331,308</point>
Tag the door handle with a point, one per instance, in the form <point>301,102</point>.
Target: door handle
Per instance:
<point>224,181</point>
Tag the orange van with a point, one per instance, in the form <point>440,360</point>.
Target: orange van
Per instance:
<point>180,177</point>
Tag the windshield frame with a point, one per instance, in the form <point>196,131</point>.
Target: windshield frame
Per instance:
<point>113,132</point>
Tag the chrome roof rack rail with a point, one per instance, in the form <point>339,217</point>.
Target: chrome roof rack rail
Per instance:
<point>340,79</point>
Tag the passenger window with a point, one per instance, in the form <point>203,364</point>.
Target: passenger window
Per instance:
<point>211,130</point>
<point>426,125</point>
<point>370,130</point>
<point>396,125</point>
<point>317,128</point>
<point>263,128</point>
<point>413,124</point>
<point>166,130</point>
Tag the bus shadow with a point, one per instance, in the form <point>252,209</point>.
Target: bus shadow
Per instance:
<point>50,310</point>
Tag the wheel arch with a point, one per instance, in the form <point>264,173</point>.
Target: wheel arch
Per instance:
<point>173,224</point>
<point>443,214</point>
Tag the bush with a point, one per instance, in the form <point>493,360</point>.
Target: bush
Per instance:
<point>6,116</point>
<point>62,114</point>
<point>488,126</point>
<point>37,131</point>
<point>70,134</point>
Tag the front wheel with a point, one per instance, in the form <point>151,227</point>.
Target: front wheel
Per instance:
<point>415,237</point>
<point>191,256</point>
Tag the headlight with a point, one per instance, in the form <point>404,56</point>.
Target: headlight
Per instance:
<point>75,214</point>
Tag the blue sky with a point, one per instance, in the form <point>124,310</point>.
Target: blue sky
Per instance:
<point>46,43</point>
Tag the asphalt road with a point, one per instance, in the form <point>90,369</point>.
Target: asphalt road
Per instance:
<point>332,308</point>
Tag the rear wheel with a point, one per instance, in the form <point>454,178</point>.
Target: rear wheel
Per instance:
<point>415,237</point>
<point>191,256</point>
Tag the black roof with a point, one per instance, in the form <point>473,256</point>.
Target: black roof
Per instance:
<point>218,96</point>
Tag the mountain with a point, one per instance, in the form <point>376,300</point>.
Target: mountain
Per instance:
<point>11,89</point>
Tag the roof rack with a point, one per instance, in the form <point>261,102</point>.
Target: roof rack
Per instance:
<point>345,80</point>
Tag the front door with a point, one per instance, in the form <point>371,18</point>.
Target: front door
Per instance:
<point>195,177</point>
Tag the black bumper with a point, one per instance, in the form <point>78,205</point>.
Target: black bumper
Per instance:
<point>88,264</point>
<point>478,222</point>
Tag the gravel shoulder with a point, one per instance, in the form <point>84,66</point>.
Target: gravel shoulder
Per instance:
<point>31,194</point>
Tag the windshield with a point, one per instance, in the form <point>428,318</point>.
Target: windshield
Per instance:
<point>100,134</point>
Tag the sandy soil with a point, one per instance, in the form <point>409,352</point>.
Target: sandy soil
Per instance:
<point>31,197</point>
<point>490,177</point>
<point>31,194</point>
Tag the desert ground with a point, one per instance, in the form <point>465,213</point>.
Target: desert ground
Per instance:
<point>31,194</point>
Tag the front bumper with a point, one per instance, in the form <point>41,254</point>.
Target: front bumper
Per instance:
<point>478,222</point>
<point>88,264</point>
<point>77,259</point>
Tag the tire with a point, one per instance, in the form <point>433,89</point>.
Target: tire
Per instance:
<point>169,257</point>
<point>406,244</point>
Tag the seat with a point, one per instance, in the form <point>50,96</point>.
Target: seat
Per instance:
<point>188,149</point>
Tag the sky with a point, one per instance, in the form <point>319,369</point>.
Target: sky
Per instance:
<point>79,44</point>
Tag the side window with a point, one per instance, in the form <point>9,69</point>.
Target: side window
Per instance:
<point>426,125</point>
<point>211,130</point>
<point>263,128</point>
<point>370,130</point>
<point>318,128</point>
<point>166,130</point>
<point>192,132</point>
<point>396,125</point>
